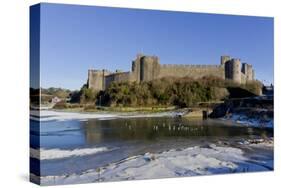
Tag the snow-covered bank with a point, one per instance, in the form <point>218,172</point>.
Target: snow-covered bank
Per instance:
<point>45,154</point>
<point>173,163</point>
<point>258,142</point>
<point>49,115</point>
<point>247,121</point>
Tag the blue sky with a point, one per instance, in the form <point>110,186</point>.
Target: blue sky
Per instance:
<point>75,38</point>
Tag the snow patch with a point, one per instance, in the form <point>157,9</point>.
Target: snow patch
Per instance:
<point>173,163</point>
<point>47,154</point>
<point>251,122</point>
<point>260,142</point>
<point>48,115</point>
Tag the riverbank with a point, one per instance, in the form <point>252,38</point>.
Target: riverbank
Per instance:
<point>61,115</point>
<point>236,119</point>
<point>191,161</point>
<point>94,108</point>
<point>251,111</point>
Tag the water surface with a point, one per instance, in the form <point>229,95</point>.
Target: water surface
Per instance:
<point>125,137</point>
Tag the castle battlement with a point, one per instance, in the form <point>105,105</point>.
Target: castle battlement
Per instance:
<point>147,68</point>
<point>188,66</point>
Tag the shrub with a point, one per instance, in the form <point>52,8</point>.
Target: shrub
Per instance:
<point>60,105</point>
<point>90,107</point>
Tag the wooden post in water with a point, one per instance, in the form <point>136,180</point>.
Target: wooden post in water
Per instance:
<point>205,114</point>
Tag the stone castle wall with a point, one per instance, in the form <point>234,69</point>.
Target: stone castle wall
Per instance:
<point>192,71</point>
<point>146,68</point>
<point>118,77</point>
<point>95,80</point>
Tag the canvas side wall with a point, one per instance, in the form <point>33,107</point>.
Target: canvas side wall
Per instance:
<point>34,125</point>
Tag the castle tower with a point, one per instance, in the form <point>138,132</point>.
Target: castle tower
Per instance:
<point>249,72</point>
<point>96,79</point>
<point>244,68</point>
<point>236,70</point>
<point>233,70</point>
<point>149,68</point>
<point>136,68</point>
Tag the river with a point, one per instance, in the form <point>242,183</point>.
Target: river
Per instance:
<point>75,146</point>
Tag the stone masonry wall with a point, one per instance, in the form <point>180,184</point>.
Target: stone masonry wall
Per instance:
<point>193,71</point>
<point>118,77</point>
<point>146,68</point>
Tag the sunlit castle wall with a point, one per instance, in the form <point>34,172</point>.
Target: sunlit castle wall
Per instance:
<point>118,77</point>
<point>192,71</point>
<point>147,68</point>
<point>96,79</point>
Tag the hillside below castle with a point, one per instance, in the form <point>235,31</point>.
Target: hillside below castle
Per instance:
<point>147,68</point>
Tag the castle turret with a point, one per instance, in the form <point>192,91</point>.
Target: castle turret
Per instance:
<point>244,68</point>
<point>96,79</point>
<point>248,71</point>
<point>236,70</point>
<point>149,68</point>
<point>224,59</point>
<point>233,70</point>
<point>136,68</point>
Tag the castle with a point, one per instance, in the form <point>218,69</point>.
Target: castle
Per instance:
<point>146,68</point>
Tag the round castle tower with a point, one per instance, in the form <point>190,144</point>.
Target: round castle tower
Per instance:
<point>233,70</point>
<point>149,68</point>
<point>250,72</point>
<point>236,70</point>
